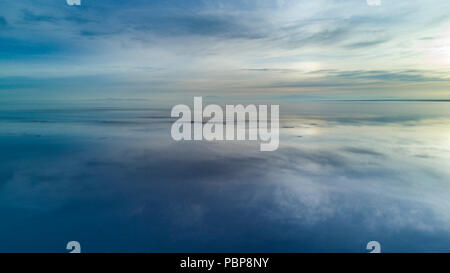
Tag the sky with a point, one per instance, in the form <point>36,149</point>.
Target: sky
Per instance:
<point>170,50</point>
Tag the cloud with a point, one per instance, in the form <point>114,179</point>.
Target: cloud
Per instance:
<point>359,78</point>
<point>367,43</point>
<point>362,151</point>
<point>207,46</point>
<point>389,75</point>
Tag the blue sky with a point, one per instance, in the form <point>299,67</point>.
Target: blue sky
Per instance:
<point>174,49</point>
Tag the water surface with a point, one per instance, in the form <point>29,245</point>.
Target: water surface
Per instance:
<point>111,177</point>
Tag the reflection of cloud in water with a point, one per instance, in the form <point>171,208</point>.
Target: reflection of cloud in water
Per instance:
<point>126,186</point>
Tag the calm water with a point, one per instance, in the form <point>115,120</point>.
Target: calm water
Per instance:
<point>112,178</point>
